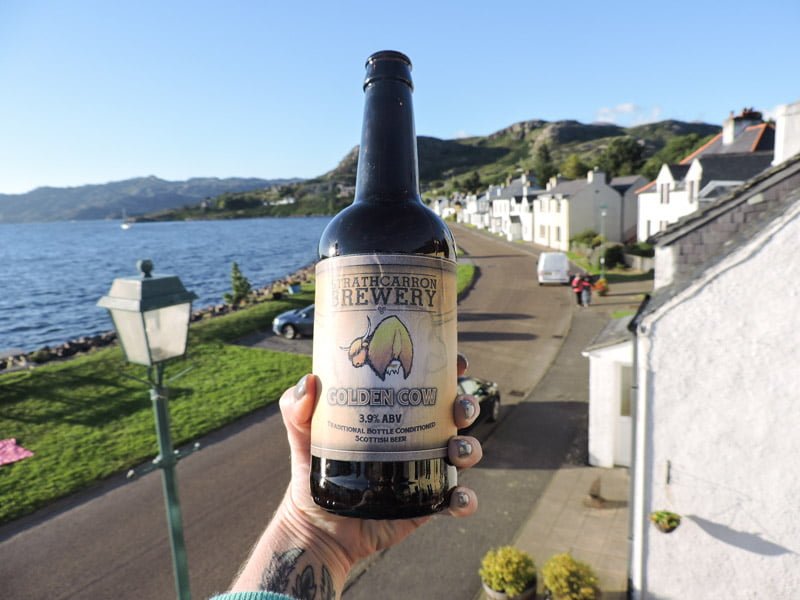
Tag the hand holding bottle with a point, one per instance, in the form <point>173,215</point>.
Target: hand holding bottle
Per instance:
<point>305,547</point>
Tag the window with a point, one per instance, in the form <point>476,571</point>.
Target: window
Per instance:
<point>692,186</point>
<point>625,391</point>
<point>541,231</point>
<point>664,193</point>
<point>649,228</point>
<point>558,234</point>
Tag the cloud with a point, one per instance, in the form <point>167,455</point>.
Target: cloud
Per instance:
<point>628,114</point>
<point>460,134</point>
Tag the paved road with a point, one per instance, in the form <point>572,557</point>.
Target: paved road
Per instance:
<point>111,541</point>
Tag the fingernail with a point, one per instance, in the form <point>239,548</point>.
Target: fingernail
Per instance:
<point>462,499</point>
<point>469,408</point>
<point>300,388</point>
<point>464,448</point>
<point>462,361</point>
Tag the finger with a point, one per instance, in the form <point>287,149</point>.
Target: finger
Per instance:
<point>297,406</point>
<point>464,451</point>
<point>465,411</point>
<point>462,364</point>
<point>463,502</point>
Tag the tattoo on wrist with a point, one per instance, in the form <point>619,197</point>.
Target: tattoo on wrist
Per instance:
<point>278,576</point>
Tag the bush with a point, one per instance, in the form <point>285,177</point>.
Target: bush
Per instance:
<point>640,249</point>
<point>585,237</point>
<point>241,287</point>
<point>614,255</point>
<point>508,569</point>
<point>569,579</point>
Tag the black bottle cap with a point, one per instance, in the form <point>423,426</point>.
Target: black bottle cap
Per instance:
<point>388,64</point>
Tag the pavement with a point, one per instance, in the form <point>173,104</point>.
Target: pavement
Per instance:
<point>566,518</point>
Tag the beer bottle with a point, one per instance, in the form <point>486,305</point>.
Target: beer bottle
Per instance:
<point>385,326</point>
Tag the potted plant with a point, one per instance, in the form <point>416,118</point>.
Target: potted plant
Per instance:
<point>665,520</point>
<point>508,573</point>
<point>565,578</point>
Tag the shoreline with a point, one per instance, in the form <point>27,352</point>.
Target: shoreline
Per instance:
<point>14,359</point>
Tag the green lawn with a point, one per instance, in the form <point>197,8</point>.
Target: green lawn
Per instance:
<point>84,419</point>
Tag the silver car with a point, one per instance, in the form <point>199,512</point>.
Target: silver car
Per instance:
<point>294,323</point>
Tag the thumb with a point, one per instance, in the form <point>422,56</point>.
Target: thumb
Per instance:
<point>297,407</point>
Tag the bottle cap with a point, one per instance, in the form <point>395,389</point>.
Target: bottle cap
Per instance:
<point>388,64</point>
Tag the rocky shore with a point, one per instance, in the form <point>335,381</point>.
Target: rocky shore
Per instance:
<point>85,344</point>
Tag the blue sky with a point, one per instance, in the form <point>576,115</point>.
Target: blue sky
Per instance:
<point>98,91</point>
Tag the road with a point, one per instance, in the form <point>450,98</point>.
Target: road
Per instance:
<point>111,542</point>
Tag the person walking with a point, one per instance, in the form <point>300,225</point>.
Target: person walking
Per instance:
<point>586,291</point>
<point>577,286</point>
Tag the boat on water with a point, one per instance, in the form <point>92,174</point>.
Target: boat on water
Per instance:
<point>126,222</point>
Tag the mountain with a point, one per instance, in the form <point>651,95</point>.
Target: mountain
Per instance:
<point>136,196</point>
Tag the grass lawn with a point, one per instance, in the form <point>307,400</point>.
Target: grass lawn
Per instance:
<point>85,420</point>
<point>616,275</point>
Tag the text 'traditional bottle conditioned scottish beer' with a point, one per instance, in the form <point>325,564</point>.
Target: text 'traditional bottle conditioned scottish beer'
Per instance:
<point>385,326</point>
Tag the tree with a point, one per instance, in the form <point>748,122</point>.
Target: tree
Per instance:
<point>543,166</point>
<point>573,167</point>
<point>675,150</point>
<point>241,287</point>
<point>472,183</point>
<point>623,156</point>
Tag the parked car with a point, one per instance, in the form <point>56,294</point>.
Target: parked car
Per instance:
<point>294,323</point>
<point>553,267</point>
<point>488,397</point>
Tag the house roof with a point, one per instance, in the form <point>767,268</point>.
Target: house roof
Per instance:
<point>615,332</point>
<point>754,138</point>
<point>568,187</point>
<point>733,167</point>
<point>775,189</point>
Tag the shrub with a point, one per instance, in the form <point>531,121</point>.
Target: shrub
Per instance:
<point>614,255</point>
<point>241,286</point>
<point>640,249</point>
<point>585,237</point>
<point>665,520</point>
<point>508,569</point>
<point>569,579</point>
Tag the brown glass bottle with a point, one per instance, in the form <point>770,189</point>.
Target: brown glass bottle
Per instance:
<point>386,222</point>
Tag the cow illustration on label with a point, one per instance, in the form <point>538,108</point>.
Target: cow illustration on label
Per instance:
<point>387,349</point>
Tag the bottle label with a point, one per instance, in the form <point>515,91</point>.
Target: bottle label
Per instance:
<point>385,355</point>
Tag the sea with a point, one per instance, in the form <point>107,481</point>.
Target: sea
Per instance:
<point>53,274</point>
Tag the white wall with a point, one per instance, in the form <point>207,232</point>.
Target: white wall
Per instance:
<point>604,400</point>
<point>722,407</point>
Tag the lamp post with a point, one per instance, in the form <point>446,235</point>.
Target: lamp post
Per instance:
<point>151,317</point>
<point>603,235</point>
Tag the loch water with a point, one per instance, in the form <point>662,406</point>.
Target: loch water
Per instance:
<point>52,274</point>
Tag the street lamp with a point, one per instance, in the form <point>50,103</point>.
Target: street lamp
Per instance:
<point>603,236</point>
<point>151,317</point>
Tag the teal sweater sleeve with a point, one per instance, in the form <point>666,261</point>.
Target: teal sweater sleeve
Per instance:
<point>252,596</point>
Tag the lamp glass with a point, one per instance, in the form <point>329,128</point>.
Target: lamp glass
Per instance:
<point>167,329</point>
<point>131,333</point>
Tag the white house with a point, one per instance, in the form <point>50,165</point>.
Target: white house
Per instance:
<point>567,207</point>
<point>610,377</point>
<point>742,149</point>
<point>716,415</point>
<point>510,208</point>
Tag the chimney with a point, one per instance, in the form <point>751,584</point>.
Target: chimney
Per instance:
<point>595,175</point>
<point>734,125</point>
<point>787,132</point>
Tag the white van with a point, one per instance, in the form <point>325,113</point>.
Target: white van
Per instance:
<point>553,267</point>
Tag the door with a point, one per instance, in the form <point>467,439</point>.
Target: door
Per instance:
<point>623,430</point>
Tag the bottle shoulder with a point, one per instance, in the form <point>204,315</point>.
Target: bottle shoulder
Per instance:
<point>387,228</point>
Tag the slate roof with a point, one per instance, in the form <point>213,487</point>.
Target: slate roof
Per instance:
<point>755,138</point>
<point>623,184</point>
<point>733,167</point>
<point>568,187</point>
<point>615,332</point>
<point>748,208</point>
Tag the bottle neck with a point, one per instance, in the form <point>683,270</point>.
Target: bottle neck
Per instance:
<point>387,160</point>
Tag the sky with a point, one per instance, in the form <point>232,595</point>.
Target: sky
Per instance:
<point>98,91</point>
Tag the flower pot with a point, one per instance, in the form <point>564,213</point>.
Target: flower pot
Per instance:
<point>665,528</point>
<point>528,594</point>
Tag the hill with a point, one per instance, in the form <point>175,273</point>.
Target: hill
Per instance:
<point>446,166</point>
<point>136,196</point>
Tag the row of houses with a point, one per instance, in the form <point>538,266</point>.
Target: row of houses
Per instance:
<point>698,392</point>
<point>630,208</point>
